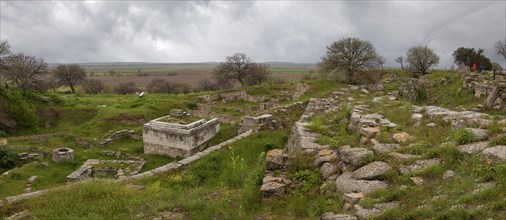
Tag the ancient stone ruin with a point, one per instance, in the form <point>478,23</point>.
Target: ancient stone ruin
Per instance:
<point>106,169</point>
<point>63,154</point>
<point>483,85</point>
<point>178,140</point>
<point>259,123</point>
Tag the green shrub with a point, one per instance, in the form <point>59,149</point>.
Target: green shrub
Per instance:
<point>8,159</point>
<point>191,105</point>
<point>463,136</point>
<point>19,109</point>
<point>309,179</point>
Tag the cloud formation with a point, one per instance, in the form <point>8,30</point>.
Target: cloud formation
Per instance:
<point>158,31</point>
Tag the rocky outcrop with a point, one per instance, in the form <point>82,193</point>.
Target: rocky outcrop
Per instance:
<point>472,148</point>
<point>372,171</point>
<point>351,158</point>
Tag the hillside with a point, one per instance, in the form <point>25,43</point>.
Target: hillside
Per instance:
<point>403,149</point>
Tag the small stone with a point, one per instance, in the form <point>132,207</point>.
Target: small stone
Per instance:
<point>402,137</point>
<point>32,179</point>
<point>479,134</point>
<point>333,216</point>
<point>385,148</point>
<point>431,125</point>
<point>417,180</point>
<point>377,99</point>
<point>369,132</point>
<point>275,159</point>
<point>365,91</point>
<point>448,174</point>
<point>417,116</point>
<point>353,198</point>
<point>328,169</point>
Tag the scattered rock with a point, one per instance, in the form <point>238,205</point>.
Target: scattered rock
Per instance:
<point>275,159</point>
<point>385,148</point>
<point>479,134</point>
<point>495,154</point>
<point>369,132</point>
<point>432,125</point>
<point>402,157</point>
<point>402,137</point>
<point>417,180</point>
<point>355,156</point>
<point>325,155</point>
<point>376,210</point>
<point>419,165</point>
<point>32,179</point>
<point>274,186</point>
<point>365,91</point>
<point>372,170</point>
<point>377,99</point>
<point>448,174</point>
<point>345,184</point>
<point>328,169</point>
<point>23,215</point>
<point>472,148</point>
<point>417,116</point>
<point>333,216</point>
<point>353,198</point>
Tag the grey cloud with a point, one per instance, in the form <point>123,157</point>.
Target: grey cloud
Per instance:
<point>181,31</point>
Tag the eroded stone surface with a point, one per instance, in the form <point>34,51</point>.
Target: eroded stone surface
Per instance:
<point>495,154</point>
<point>472,148</point>
<point>372,170</point>
<point>355,156</point>
<point>346,184</point>
<point>385,148</point>
<point>419,165</point>
<point>275,159</point>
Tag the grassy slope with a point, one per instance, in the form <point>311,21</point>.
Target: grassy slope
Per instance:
<point>226,183</point>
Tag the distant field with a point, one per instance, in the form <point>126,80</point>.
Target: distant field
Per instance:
<point>192,73</point>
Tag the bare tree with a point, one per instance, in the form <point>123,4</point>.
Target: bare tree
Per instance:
<point>125,88</point>
<point>400,60</point>
<point>161,86</point>
<point>381,61</point>
<point>422,58</point>
<point>93,86</point>
<point>24,70</point>
<point>259,73</point>
<point>350,56</point>
<point>207,85</point>
<point>500,47</point>
<point>69,75</point>
<point>4,52</point>
<point>235,67</point>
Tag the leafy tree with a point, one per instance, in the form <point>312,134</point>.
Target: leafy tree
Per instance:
<point>93,86</point>
<point>24,70</point>
<point>4,51</point>
<point>500,48</point>
<point>69,75</point>
<point>400,60</point>
<point>468,56</point>
<point>350,56</point>
<point>236,67</point>
<point>8,160</point>
<point>421,58</point>
<point>161,86</point>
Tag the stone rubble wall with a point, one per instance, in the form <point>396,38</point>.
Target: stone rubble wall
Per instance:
<point>483,86</point>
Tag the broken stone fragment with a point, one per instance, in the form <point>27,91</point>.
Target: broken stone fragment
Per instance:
<point>328,169</point>
<point>333,216</point>
<point>275,159</point>
<point>479,134</point>
<point>402,137</point>
<point>355,156</point>
<point>346,184</point>
<point>353,198</point>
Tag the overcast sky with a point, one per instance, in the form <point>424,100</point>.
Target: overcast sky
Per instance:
<point>157,31</point>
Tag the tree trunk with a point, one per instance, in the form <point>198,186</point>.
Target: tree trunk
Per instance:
<point>73,90</point>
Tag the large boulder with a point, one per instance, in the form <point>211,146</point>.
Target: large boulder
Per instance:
<point>275,159</point>
<point>372,171</point>
<point>355,157</point>
<point>495,154</point>
<point>346,184</point>
<point>472,148</point>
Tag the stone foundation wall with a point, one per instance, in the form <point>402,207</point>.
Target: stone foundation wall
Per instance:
<point>484,86</point>
<point>178,140</point>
